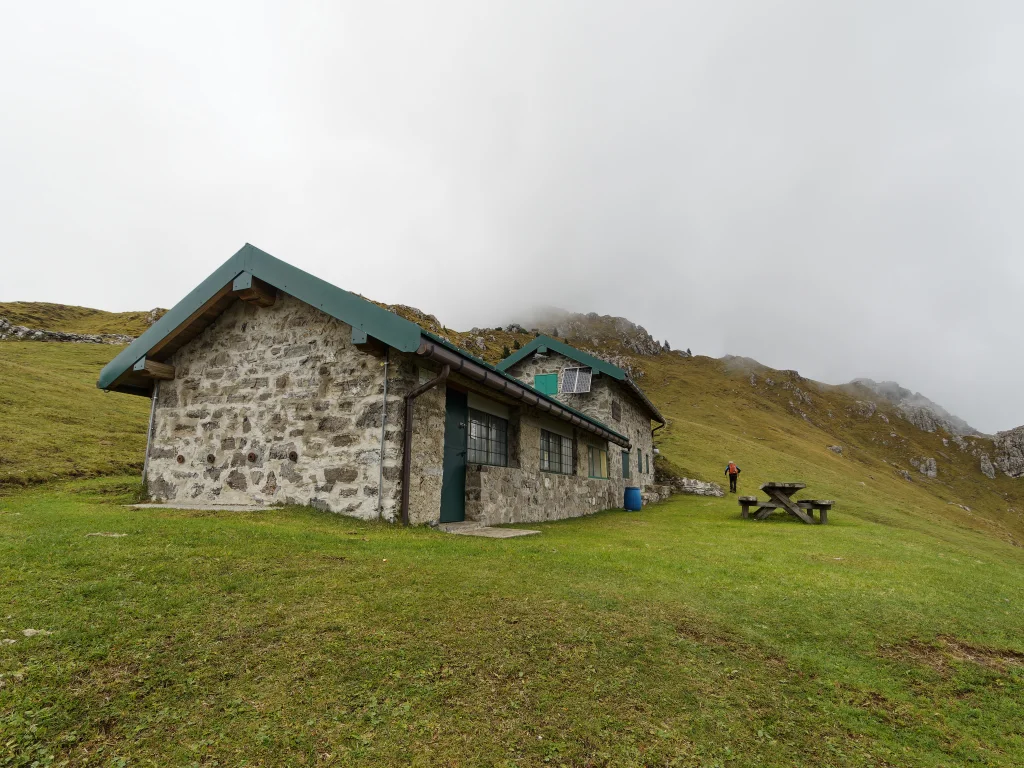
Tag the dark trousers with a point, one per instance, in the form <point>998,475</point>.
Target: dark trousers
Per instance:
<point>732,482</point>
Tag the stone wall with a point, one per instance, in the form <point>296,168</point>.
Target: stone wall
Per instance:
<point>427,467</point>
<point>633,420</point>
<point>497,495</point>
<point>9,331</point>
<point>275,405</point>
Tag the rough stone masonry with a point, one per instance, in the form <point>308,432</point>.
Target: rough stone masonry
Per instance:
<point>275,405</point>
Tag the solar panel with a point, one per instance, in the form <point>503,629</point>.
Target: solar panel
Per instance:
<point>575,381</point>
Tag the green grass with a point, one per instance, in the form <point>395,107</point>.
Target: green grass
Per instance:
<point>716,415</point>
<point>71,319</point>
<point>55,423</point>
<point>676,636</point>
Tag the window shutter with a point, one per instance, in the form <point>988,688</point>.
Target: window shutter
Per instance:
<point>546,383</point>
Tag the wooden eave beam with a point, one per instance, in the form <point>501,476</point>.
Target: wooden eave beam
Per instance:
<point>153,370</point>
<point>193,324</point>
<point>255,291</point>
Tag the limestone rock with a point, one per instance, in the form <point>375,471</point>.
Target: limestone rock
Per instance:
<point>1009,452</point>
<point>914,407</point>
<point>929,468</point>
<point>987,469</point>
<point>836,449</point>
<point>866,408</point>
<point>697,487</point>
<point>12,332</point>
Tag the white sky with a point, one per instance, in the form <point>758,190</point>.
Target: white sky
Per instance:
<point>831,187</point>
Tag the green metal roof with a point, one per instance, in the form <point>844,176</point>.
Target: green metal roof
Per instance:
<point>510,377</point>
<point>354,310</point>
<point>602,366</point>
<point>561,347</point>
<point>397,332</point>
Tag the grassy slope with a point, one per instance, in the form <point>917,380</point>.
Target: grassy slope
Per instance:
<point>62,317</point>
<point>676,636</point>
<point>716,414</point>
<point>53,420</point>
<point>680,633</point>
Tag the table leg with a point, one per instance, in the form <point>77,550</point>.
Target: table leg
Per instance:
<point>823,516</point>
<point>787,503</point>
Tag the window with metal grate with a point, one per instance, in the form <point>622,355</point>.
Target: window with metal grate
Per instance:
<point>488,439</point>
<point>556,453</point>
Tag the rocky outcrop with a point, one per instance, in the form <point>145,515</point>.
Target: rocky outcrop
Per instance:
<point>836,449</point>
<point>929,468</point>
<point>866,408</point>
<point>21,333</point>
<point>917,409</point>
<point>684,485</point>
<point>987,469</point>
<point>596,330</point>
<point>1009,452</point>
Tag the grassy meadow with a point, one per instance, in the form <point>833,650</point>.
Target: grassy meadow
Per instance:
<point>680,635</point>
<point>71,319</point>
<point>54,423</point>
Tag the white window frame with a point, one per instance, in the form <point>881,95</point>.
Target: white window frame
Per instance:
<point>575,381</point>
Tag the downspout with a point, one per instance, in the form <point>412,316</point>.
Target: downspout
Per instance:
<point>383,424</point>
<point>149,436</point>
<point>407,448</point>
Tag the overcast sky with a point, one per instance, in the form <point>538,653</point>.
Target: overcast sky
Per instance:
<point>835,187</point>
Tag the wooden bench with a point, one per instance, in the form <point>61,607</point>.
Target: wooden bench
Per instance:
<point>822,505</point>
<point>746,502</point>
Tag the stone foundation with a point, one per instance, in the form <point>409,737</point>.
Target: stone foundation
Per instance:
<point>496,495</point>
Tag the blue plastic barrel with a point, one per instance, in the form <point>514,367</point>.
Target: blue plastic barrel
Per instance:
<point>633,502</point>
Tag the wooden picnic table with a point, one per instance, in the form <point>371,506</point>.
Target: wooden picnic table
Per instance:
<point>780,497</point>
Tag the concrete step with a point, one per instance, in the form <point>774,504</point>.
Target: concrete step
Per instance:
<point>473,528</point>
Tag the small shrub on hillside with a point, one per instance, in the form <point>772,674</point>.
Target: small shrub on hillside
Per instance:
<point>505,351</point>
<point>516,344</point>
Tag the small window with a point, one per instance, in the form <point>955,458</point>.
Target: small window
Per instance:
<point>647,463</point>
<point>487,440</point>
<point>616,410</point>
<point>597,463</point>
<point>575,381</point>
<point>625,464</point>
<point>556,453</point>
<point>639,461</point>
<point>546,383</point>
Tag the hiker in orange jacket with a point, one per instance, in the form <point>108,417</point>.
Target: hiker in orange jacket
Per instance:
<point>733,472</point>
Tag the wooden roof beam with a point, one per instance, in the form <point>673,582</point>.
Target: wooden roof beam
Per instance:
<point>255,291</point>
<point>151,369</point>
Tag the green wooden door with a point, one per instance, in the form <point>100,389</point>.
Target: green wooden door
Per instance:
<point>453,481</point>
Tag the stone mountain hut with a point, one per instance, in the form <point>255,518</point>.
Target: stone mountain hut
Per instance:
<point>272,386</point>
